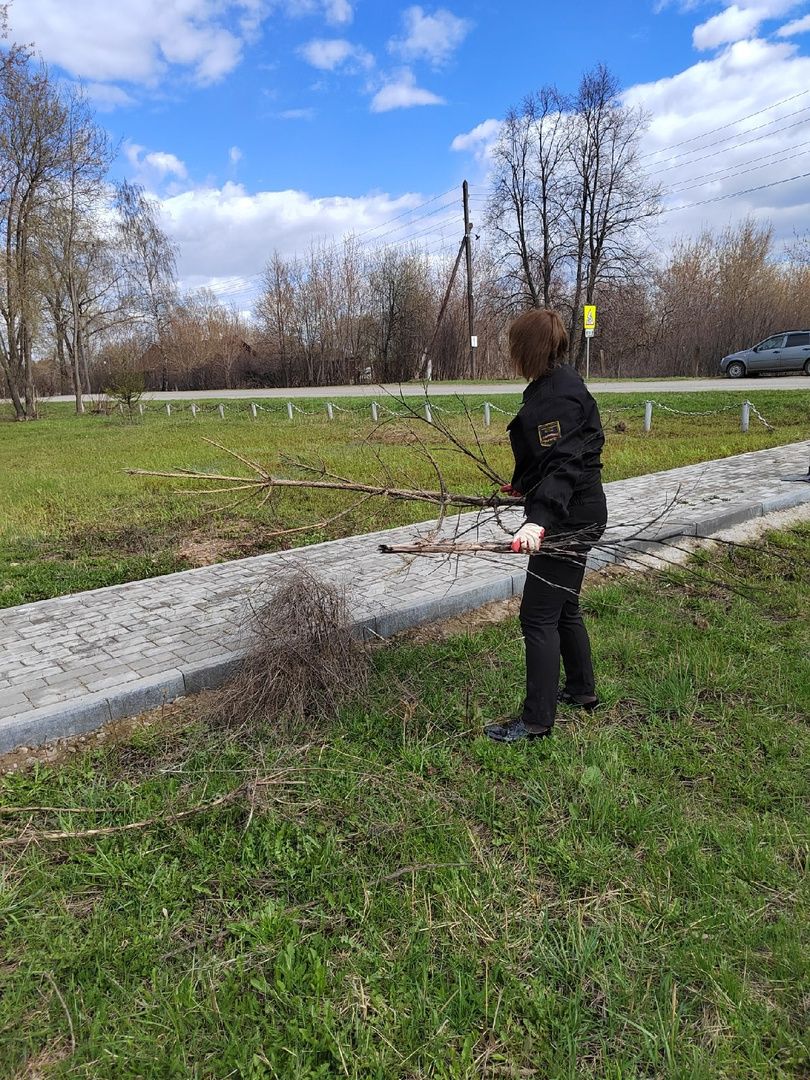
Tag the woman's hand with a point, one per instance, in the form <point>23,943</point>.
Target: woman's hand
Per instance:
<point>507,489</point>
<point>528,538</point>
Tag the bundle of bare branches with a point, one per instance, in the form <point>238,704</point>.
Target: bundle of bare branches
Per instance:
<point>303,663</point>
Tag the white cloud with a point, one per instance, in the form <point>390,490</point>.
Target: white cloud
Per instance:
<point>695,162</point>
<point>166,164</point>
<point>235,155</point>
<point>107,97</point>
<point>737,22</point>
<point>305,113</point>
<point>328,54</point>
<point>339,12</point>
<point>138,41</point>
<point>401,92</point>
<point>798,26</point>
<point>225,235</point>
<point>480,140</point>
<point>152,168</point>
<point>336,12</point>
<point>429,37</point>
<point>733,24</point>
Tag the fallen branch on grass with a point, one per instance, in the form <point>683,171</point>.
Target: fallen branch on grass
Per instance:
<point>248,788</point>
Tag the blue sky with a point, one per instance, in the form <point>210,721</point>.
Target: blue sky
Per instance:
<point>267,123</point>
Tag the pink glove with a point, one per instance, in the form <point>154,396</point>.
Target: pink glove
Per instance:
<point>528,538</point>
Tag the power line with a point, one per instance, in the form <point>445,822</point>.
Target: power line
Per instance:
<point>740,164</point>
<point>725,127</point>
<point>655,170</point>
<point>741,172</point>
<point>407,224</point>
<point>733,194</point>
<point>405,213</point>
<point>743,142</point>
<point>443,224</point>
<point>244,283</point>
<point>728,149</point>
<point>730,195</point>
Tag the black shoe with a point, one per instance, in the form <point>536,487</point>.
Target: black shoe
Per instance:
<point>513,731</point>
<point>565,698</point>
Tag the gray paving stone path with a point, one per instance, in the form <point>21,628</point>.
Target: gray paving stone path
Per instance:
<point>74,663</point>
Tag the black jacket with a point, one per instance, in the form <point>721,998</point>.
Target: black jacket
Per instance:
<point>557,441</point>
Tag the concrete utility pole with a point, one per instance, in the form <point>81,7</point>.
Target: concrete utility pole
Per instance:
<point>470,308</point>
<point>426,363</point>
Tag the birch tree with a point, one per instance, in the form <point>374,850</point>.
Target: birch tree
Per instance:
<point>32,157</point>
<point>71,236</point>
<point>150,265</point>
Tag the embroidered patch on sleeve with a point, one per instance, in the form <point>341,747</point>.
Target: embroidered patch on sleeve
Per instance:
<point>549,433</point>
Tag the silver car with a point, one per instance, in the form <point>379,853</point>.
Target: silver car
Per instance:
<point>782,352</point>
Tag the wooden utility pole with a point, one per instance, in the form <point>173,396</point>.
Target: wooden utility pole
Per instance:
<point>470,309</point>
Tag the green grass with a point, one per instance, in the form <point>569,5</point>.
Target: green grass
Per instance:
<point>70,519</point>
<point>626,900</point>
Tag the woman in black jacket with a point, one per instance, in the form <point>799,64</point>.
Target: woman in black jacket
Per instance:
<point>557,441</point>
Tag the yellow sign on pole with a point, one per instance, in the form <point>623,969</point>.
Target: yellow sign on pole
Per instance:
<point>590,317</point>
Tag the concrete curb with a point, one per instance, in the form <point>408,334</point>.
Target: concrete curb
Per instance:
<point>91,711</point>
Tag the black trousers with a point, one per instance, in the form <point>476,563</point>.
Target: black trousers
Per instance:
<point>550,615</point>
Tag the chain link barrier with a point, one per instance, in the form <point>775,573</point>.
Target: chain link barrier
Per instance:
<point>361,412</point>
<point>759,416</point>
<point>688,412</point>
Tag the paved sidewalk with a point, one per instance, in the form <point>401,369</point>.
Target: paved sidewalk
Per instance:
<point>74,663</point>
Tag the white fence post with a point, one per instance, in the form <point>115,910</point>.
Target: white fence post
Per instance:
<point>168,409</point>
<point>290,410</point>
<point>487,414</point>
<point>193,411</point>
<point>330,412</point>
<point>428,413</point>
<point>745,419</point>
<point>253,409</point>
<point>140,407</point>
<point>222,412</point>
<point>375,412</point>
<point>648,407</point>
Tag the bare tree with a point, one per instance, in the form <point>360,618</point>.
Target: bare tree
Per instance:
<point>526,210</point>
<point>572,206</point>
<point>612,202</point>
<point>150,262</point>
<point>274,313</point>
<point>719,292</point>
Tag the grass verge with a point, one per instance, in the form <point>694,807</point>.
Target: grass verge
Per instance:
<point>625,900</point>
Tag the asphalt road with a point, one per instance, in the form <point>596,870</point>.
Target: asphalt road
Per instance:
<point>436,389</point>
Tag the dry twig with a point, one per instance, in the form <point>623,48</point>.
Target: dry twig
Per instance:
<point>167,819</point>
